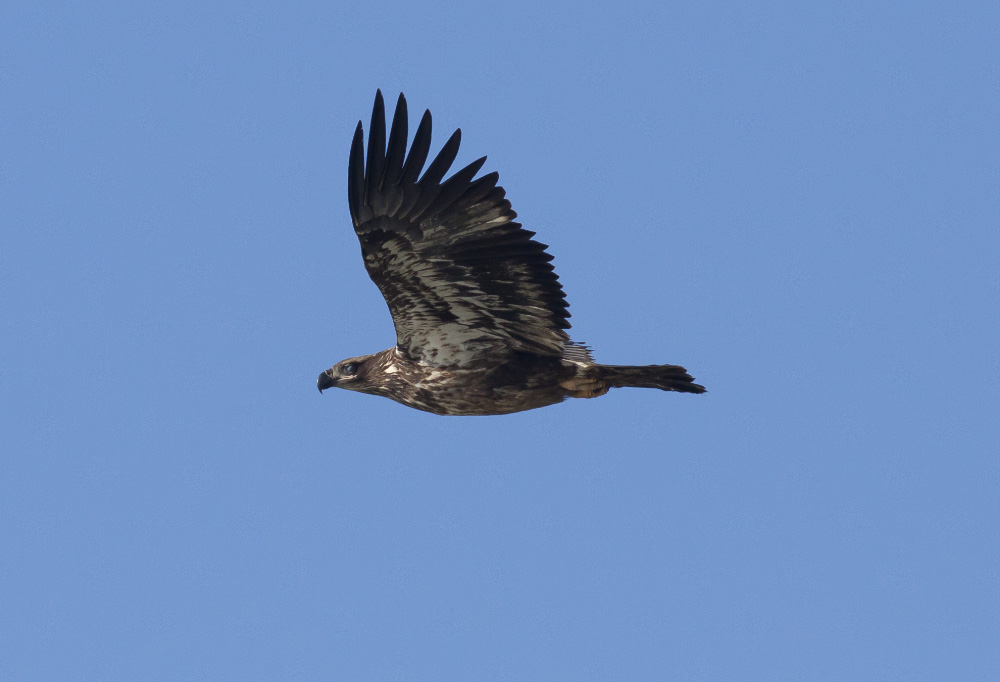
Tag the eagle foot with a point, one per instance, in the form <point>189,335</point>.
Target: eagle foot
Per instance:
<point>582,387</point>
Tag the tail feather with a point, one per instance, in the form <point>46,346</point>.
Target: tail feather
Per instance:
<point>663,377</point>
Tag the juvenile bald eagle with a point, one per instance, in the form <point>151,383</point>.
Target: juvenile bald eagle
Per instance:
<point>480,315</point>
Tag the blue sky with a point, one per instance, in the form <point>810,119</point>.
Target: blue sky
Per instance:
<point>798,202</point>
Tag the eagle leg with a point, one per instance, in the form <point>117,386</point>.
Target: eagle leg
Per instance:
<point>584,387</point>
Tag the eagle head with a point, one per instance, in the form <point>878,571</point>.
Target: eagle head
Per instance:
<point>350,374</point>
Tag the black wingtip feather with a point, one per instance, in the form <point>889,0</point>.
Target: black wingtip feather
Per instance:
<point>397,145</point>
<point>376,149</point>
<point>429,186</point>
<point>453,188</point>
<point>440,165</point>
<point>356,174</point>
<point>418,151</point>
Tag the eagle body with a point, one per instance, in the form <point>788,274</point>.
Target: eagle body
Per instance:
<point>479,313</point>
<point>524,383</point>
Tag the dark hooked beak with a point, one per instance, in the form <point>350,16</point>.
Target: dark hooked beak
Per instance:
<point>325,381</point>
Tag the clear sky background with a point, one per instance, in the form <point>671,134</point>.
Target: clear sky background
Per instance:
<point>799,202</point>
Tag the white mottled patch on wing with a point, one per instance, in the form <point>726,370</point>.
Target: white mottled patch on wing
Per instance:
<point>578,354</point>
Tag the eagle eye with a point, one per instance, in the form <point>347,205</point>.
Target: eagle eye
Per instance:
<point>350,368</point>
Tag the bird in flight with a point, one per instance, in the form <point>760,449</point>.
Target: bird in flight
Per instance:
<point>480,315</point>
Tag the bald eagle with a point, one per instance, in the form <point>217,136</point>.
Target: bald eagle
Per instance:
<point>480,315</point>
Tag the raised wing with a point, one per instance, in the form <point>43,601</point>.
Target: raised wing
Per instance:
<point>463,281</point>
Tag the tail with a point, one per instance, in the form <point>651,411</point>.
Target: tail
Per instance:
<point>663,377</point>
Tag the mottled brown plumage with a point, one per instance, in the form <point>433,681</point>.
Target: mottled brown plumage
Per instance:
<point>480,315</point>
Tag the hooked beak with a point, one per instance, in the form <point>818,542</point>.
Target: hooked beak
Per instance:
<point>325,381</point>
